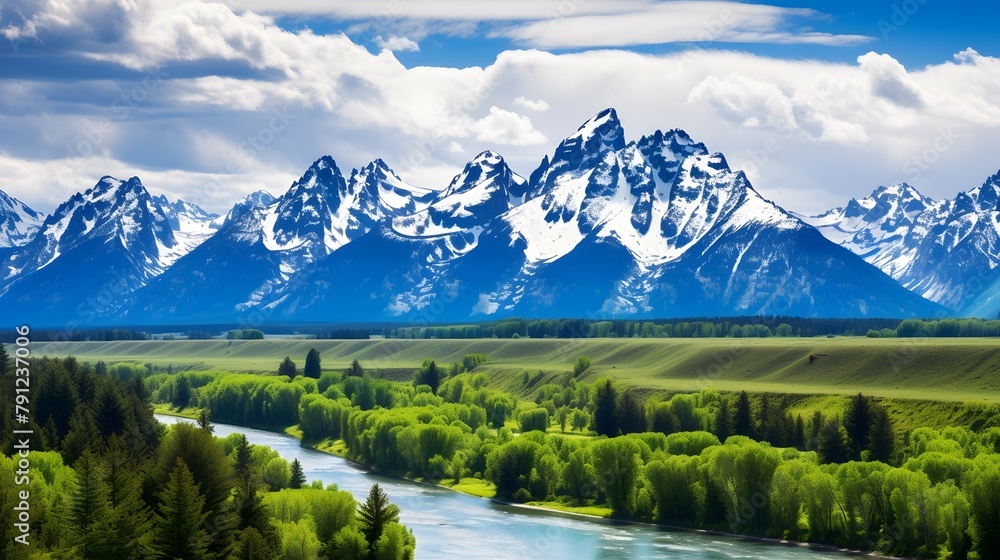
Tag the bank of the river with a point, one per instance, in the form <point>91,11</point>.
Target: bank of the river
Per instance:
<point>476,489</point>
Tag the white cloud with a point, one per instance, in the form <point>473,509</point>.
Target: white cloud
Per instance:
<point>821,127</point>
<point>537,105</point>
<point>675,22</point>
<point>507,128</point>
<point>890,81</point>
<point>397,44</point>
<point>456,148</point>
<point>748,100</point>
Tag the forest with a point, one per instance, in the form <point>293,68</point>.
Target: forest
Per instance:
<point>737,462</point>
<point>107,481</point>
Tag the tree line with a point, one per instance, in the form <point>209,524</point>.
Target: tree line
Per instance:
<point>109,482</point>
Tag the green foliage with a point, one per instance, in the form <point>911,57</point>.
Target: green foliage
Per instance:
<point>180,521</point>
<point>313,367</point>
<point>287,368</point>
<point>429,374</point>
<point>244,334</point>
<point>533,419</point>
<point>374,516</point>
<point>355,370</point>
<point>581,365</point>
<point>605,408</point>
<point>297,478</point>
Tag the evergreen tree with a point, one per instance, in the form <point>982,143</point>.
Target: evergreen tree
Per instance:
<point>110,412</point>
<point>253,517</point>
<point>182,393</point>
<point>287,368</point>
<point>88,507</point>
<point>799,438</point>
<point>312,369</point>
<point>205,420</point>
<point>251,545</point>
<point>83,434</point>
<point>130,522</point>
<point>743,416</point>
<point>858,423</point>
<point>832,446</point>
<point>355,370</point>
<point>605,402</point>
<point>429,374</point>
<point>298,477</point>
<point>631,419</point>
<point>374,515</point>
<point>882,437</point>
<point>179,531</point>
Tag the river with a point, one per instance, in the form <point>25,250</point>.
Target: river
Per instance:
<point>450,524</point>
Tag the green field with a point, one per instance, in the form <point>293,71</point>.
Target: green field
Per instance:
<point>931,369</point>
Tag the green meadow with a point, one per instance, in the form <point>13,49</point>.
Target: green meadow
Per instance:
<point>938,369</point>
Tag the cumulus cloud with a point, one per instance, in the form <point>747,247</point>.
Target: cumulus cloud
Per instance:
<point>507,128</point>
<point>802,129</point>
<point>397,44</point>
<point>890,81</point>
<point>751,101</point>
<point>536,105</point>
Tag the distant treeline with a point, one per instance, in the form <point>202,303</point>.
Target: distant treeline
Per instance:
<point>702,327</point>
<point>66,335</point>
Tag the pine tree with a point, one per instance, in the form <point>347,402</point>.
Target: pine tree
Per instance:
<point>355,370</point>
<point>287,368</point>
<point>631,419</point>
<point>130,521</point>
<point>832,445</point>
<point>882,437</point>
<point>743,416</point>
<point>605,401</point>
<point>298,477</point>
<point>251,545</point>
<point>374,515</point>
<point>88,507</point>
<point>429,374</point>
<point>253,518</point>
<point>179,531</point>
<point>858,423</point>
<point>205,420</point>
<point>312,368</point>
<point>182,393</point>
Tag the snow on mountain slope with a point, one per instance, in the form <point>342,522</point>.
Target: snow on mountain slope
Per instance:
<point>93,250</point>
<point>946,251</point>
<point>408,259</point>
<point>18,222</point>
<point>320,213</point>
<point>256,199</point>
<point>656,227</point>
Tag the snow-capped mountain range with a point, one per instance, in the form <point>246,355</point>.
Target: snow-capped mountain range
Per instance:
<point>604,227</point>
<point>945,250</point>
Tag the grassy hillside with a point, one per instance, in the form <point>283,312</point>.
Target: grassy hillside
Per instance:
<point>933,369</point>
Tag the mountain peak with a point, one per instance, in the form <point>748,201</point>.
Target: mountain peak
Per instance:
<point>603,129</point>
<point>18,222</point>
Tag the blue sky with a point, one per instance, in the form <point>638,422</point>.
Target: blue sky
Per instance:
<point>817,101</point>
<point>916,32</point>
